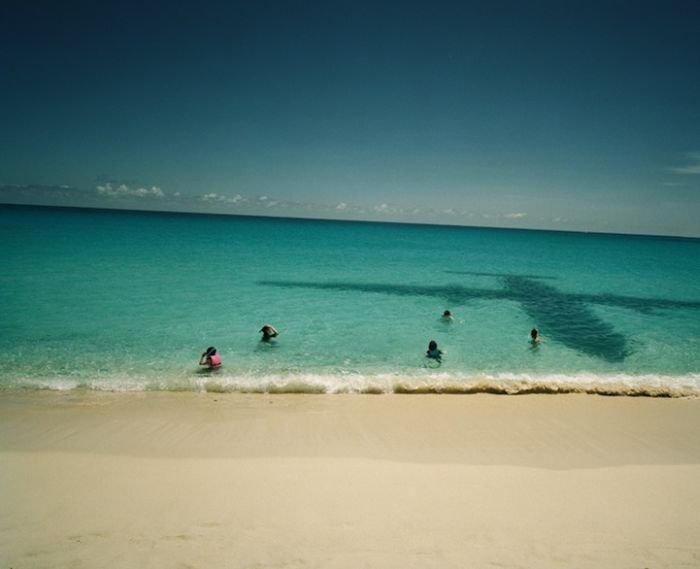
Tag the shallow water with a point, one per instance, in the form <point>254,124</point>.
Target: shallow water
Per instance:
<point>128,300</point>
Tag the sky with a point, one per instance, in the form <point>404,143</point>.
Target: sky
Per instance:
<point>564,115</point>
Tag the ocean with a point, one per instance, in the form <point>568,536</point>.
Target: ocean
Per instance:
<point>128,301</point>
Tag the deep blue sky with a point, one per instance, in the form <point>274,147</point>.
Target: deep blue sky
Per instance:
<point>551,114</point>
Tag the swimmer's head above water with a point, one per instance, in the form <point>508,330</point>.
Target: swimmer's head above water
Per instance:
<point>268,332</point>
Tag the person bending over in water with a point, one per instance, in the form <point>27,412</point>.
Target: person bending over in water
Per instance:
<point>268,332</point>
<point>210,358</point>
<point>433,351</point>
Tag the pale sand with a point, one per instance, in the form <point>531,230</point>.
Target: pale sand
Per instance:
<point>231,481</point>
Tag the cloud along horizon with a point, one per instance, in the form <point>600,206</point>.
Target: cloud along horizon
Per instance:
<point>112,195</point>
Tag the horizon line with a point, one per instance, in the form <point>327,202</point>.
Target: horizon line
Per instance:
<point>343,220</point>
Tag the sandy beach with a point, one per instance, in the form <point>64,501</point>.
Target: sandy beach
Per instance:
<point>187,480</point>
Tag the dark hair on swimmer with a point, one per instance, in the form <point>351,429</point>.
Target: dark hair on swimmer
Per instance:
<point>432,345</point>
<point>211,351</point>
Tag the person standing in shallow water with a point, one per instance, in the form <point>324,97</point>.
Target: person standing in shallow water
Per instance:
<point>534,337</point>
<point>210,358</point>
<point>433,352</point>
<point>268,332</point>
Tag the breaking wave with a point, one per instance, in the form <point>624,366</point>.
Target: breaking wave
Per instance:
<point>386,383</point>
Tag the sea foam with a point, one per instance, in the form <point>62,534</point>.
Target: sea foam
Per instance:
<point>386,383</point>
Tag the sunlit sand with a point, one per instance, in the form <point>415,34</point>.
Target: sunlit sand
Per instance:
<point>232,480</point>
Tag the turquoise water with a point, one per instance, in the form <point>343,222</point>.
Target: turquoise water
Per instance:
<point>129,300</point>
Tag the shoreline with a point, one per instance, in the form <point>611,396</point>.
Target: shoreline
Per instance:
<point>158,479</point>
<point>446,383</point>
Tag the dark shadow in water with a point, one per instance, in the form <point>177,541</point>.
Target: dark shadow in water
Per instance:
<point>562,317</point>
<point>519,283</point>
<point>478,274</point>
<point>207,370</point>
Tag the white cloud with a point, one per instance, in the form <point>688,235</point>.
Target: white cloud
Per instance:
<point>152,191</point>
<point>388,209</point>
<point>687,169</point>
<point>123,190</point>
<point>692,167</point>
<point>212,197</point>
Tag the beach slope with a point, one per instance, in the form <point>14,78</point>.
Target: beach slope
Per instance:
<point>233,480</point>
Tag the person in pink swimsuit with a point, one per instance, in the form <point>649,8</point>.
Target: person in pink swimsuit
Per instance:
<point>210,358</point>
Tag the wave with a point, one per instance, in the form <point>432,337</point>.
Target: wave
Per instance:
<point>438,383</point>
